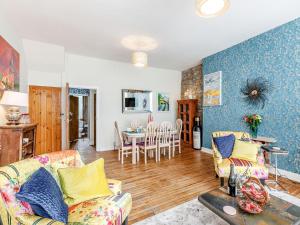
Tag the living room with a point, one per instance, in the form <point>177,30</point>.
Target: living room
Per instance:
<point>181,92</point>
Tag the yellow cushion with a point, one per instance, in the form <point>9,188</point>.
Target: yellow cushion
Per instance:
<point>245,150</point>
<point>87,182</point>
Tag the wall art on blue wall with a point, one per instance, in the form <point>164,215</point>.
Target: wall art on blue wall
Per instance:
<point>212,89</point>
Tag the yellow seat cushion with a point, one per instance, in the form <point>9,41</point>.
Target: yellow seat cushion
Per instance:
<point>245,150</point>
<point>85,183</point>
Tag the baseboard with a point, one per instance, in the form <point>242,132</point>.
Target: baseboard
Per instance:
<point>207,150</point>
<point>290,175</point>
<point>287,174</point>
<point>105,149</point>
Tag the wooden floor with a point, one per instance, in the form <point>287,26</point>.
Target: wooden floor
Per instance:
<point>156,187</point>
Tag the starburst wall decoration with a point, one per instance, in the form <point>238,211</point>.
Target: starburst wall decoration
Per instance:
<point>255,91</point>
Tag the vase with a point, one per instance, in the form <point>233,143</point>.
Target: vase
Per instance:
<point>254,131</point>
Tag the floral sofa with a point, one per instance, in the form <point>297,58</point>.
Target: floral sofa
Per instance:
<point>110,210</point>
<point>256,169</point>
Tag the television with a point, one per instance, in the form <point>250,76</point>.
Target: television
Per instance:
<point>129,102</point>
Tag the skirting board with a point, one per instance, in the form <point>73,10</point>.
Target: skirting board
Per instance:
<point>284,173</point>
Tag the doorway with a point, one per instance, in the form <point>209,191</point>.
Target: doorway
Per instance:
<point>82,118</point>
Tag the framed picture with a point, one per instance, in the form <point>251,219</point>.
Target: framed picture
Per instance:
<point>163,102</point>
<point>9,67</point>
<point>212,89</point>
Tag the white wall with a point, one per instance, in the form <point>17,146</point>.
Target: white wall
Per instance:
<point>109,78</point>
<point>8,33</point>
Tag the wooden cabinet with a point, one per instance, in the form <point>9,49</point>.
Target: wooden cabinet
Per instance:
<point>17,142</point>
<point>187,112</point>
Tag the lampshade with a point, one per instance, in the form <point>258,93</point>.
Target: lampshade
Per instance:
<point>211,8</point>
<point>13,98</point>
<point>140,59</point>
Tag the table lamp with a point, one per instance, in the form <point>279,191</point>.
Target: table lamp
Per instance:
<point>14,100</point>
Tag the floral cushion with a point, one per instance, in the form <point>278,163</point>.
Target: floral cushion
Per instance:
<point>111,210</point>
<point>15,206</point>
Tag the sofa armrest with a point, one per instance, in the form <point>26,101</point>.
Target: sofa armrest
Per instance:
<point>31,219</point>
<point>216,154</point>
<point>115,186</point>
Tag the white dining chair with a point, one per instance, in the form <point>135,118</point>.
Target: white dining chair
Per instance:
<point>123,148</point>
<point>176,139</point>
<point>149,145</point>
<point>164,139</point>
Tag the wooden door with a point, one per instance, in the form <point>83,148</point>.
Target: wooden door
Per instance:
<point>45,110</point>
<point>73,122</point>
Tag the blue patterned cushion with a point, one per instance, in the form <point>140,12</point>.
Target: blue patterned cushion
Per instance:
<point>225,145</point>
<point>44,196</point>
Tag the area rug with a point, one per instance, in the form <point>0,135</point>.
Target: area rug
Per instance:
<point>195,213</point>
<point>189,213</point>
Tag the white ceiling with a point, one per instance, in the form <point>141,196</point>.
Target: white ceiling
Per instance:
<point>95,27</point>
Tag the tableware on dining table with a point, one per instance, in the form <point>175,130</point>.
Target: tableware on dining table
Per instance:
<point>129,129</point>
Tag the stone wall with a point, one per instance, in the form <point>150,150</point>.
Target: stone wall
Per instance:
<point>192,86</point>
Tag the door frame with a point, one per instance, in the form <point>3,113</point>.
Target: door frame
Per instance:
<point>97,91</point>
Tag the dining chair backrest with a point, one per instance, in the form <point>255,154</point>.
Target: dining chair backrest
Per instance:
<point>165,132</point>
<point>135,124</point>
<point>119,133</point>
<point>151,134</point>
<point>179,127</point>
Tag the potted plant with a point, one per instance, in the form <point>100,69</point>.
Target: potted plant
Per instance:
<point>253,121</point>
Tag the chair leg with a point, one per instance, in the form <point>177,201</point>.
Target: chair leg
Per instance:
<point>156,155</point>
<point>119,154</point>
<point>138,155</point>
<point>173,149</point>
<point>122,156</point>
<point>145,154</point>
<point>170,152</point>
<point>179,146</point>
<point>222,181</point>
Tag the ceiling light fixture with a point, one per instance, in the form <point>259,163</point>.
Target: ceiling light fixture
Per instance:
<point>140,45</point>
<point>140,59</point>
<point>211,8</point>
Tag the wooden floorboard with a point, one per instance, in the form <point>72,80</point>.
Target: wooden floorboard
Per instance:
<point>156,187</point>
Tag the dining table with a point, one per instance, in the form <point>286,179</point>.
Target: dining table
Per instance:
<point>133,135</point>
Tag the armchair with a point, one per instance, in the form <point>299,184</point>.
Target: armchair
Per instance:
<point>222,165</point>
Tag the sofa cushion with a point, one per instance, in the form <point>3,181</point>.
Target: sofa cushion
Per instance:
<point>245,150</point>
<point>225,145</point>
<point>104,210</point>
<point>44,196</point>
<point>87,182</point>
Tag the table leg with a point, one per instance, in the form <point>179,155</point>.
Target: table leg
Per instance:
<point>276,168</point>
<point>173,143</point>
<point>133,150</point>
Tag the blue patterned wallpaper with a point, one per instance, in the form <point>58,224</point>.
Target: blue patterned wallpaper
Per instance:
<point>274,55</point>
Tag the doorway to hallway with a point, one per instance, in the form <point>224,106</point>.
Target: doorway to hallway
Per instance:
<point>82,118</point>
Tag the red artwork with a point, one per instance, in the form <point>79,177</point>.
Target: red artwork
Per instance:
<point>9,67</point>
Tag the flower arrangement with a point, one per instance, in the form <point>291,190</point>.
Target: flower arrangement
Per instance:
<point>253,121</point>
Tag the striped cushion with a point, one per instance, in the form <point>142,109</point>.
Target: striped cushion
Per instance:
<point>240,162</point>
